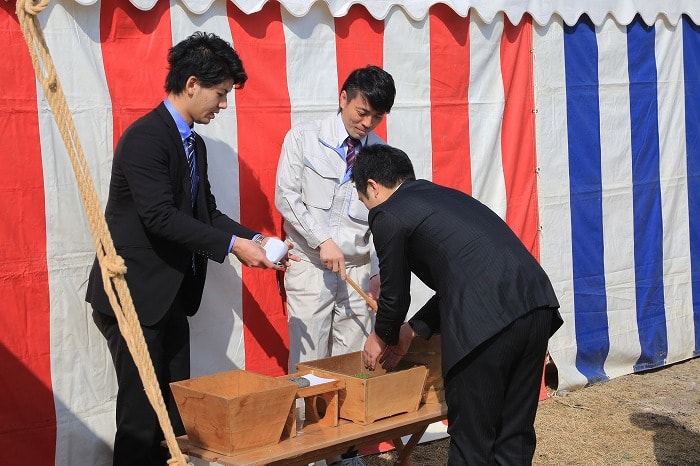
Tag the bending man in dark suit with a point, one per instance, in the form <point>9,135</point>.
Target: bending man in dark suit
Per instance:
<point>165,225</point>
<point>493,305</point>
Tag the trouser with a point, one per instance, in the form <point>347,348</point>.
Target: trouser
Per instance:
<point>326,316</point>
<point>138,437</point>
<point>493,392</point>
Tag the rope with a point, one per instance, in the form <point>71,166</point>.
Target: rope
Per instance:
<point>112,265</point>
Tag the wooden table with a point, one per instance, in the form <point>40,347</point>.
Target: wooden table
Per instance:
<point>326,442</point>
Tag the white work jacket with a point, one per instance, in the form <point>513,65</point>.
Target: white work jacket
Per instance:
<point>313,199</point>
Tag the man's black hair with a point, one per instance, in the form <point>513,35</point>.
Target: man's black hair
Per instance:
<point>382,163</point>
<point>374,84</point>
<point>206,56</point>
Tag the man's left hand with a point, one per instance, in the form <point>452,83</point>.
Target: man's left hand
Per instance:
<point>393,354</point>
<point>284,262</point>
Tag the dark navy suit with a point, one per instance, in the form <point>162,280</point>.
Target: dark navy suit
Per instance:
<point>494,307</point>
<point>156,230</point>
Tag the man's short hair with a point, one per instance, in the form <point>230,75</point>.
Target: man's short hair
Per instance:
<point>207,57</point>
<point>382,163</point>
<point>375,85</point>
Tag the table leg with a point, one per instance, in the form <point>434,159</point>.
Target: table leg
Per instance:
<point>404,451</point>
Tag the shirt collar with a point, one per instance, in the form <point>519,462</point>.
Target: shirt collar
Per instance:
<point>182,125</point>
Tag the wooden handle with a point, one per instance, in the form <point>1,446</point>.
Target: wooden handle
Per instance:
<point>372,303</point>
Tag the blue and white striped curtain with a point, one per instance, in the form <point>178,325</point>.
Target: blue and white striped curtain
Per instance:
<point>618,153</point>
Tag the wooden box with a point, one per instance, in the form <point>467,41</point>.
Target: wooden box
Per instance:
<point>381,394</point>
<point>231,411</point>
<point>429,353</point>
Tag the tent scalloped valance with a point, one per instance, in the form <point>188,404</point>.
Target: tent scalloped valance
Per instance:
<point>623,11</point>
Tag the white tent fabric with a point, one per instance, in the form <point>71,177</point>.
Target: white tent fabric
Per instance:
<point>582,132</point>
<point>623,11</point>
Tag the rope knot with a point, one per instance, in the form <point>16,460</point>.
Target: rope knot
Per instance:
<point>34,8</point>
<point>115,266</point>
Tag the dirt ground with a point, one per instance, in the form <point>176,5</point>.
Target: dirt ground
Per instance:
<point>639,419</point>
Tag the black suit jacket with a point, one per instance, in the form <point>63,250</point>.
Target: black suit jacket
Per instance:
<point>153,224</point>
<point>483,276</point>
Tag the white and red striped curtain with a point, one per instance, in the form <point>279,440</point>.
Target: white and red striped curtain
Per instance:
<point>582,133</point>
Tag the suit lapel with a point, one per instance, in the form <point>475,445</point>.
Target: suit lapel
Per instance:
<point>183,168</point>
<point>201,212</point>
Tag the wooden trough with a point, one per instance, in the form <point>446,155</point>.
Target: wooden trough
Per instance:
<point>369,396</point>
<point>232,411</point>
<point>428,353</point>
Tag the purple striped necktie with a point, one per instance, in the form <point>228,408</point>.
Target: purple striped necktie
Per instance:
<point>353,145</point>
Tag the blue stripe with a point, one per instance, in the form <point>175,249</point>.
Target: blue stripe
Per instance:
<point>691,66</point>
<point>648,226</point>
<point>583,117</point>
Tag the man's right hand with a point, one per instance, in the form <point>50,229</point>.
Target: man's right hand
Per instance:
<point>332,257</point>
<point>373,349</point>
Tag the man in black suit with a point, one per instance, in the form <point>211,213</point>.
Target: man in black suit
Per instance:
<point>165,225</point>
<point>493,305</point>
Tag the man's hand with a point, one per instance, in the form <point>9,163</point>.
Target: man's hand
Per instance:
<point>393,354</point>
<point>252,254</point>
<point>332,257</point>
<point>374,347</point>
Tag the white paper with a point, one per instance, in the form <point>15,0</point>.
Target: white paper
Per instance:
<point>315,380</point>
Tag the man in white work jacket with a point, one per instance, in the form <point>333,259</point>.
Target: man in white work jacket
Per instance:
<point>327,223</point>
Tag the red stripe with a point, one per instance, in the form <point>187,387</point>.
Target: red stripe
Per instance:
<point>127,32</point>
<point>449,86</point>
<point>27,412</point>
<point>518,137</point>
<point>263,113</point>
<point>449,95</point>
<point>359,41</point>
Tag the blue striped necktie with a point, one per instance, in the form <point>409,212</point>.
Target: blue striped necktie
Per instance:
<point>194,178</point>
<point>192,162</point>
